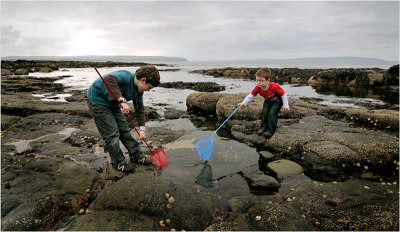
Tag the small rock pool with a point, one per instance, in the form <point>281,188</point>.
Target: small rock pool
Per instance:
<point>228,172</point>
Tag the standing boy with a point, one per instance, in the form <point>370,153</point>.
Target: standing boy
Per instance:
<point>109,116</point>
<point>275,99</point>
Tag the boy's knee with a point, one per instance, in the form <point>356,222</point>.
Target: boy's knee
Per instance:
<point>112,139</point>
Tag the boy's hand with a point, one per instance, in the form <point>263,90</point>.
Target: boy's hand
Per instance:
<point>286,109</point>
<point>125,108</point>
<point>142,134</point>
<point>240,105</point>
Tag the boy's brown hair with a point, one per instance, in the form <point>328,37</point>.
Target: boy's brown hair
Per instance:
<point>264,72</point>
<point>151,74</point>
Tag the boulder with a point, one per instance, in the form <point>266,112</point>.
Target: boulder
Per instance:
<point>265,181</point>
<point>266,155</point>
<point>145,194</point>
<point>5,72</point>
<point>44,69</point>
<point>375,78</point>
<point>21,71</point>
<point>228,103</point>
<point>285,167</point>
<point>203,103</point>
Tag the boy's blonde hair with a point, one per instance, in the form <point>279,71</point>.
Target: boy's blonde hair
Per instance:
<point>264,72</point>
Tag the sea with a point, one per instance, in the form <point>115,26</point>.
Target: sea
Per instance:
<point>159,98</point>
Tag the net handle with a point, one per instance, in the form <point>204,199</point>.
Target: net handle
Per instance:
<point>108,87</point>
<point>225,121</point>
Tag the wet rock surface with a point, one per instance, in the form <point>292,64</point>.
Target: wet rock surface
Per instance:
<point>56,175</point>
<point>37,192</point>
<point>171,113</point>
<point>349,205</point>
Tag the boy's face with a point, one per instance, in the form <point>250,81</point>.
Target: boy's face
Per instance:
<point>143,86</point>
<point>262,82</point>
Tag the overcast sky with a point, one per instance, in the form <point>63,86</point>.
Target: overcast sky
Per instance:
<point>201,30</point>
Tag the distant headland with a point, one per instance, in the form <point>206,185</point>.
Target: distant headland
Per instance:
<point>149,59</point>
<point>161,59</point>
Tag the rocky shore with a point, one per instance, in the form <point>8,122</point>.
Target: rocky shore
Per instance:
<point>23,67</point>
<point>354,81</point>
<point>55,174</point>
<point>373,77</point>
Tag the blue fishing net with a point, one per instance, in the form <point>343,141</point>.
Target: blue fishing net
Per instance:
<point>205,148</point>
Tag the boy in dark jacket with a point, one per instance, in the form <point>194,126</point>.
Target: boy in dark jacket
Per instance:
<point>109,116</point>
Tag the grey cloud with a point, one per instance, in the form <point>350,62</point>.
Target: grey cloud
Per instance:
<point>220,30</point>
<point>9,35</point>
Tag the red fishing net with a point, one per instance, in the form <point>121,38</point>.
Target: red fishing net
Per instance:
<point>159,158</point>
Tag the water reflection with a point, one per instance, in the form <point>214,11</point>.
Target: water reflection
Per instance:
<point>205,176</point>
<point>386,96</point>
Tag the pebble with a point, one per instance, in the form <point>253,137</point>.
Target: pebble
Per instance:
<point>81,211</point>
<point>289,199</point>
<point>258,218</point>
<point>88,190</point>
<point>162,223</point>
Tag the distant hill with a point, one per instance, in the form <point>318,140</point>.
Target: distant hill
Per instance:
<point>147,59</point>
<point>323,59</point>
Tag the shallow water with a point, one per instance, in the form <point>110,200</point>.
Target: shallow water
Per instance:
<point>227,171</point>
<point>24,145</point>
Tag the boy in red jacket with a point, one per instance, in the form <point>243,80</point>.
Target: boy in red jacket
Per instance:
<point>275,99</point>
